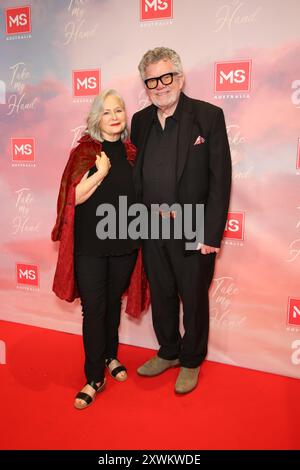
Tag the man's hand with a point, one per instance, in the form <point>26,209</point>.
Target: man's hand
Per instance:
<point>205,249</point>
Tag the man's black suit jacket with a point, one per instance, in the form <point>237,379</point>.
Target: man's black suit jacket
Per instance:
<point>203,170</point>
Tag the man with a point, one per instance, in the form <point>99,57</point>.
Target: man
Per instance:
<point>183,157</point>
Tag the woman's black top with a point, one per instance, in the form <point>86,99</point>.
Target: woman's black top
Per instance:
<point>118,182</point>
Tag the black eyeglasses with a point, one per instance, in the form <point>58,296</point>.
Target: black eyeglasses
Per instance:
<point>165,79</point>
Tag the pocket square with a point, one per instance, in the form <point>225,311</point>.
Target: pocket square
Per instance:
<point>199,140</point>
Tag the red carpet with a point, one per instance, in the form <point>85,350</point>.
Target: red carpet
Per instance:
<point>232,408</point>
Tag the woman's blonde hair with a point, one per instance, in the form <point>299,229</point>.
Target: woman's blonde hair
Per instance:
<point>96,112</point>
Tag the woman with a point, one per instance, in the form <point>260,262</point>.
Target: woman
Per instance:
<point>98,270</point>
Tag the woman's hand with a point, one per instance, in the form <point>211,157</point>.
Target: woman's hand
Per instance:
<point>103,164</point>
<point>88,185</point>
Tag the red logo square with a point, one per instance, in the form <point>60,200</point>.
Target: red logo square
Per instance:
<point>18,20</point>
<point>86,82</point>
<point>156,9</point>
<point>293,311</point>
<point>235,225</point>
<point>27,274</point>
<point>233,76</point>
<point>23,149</point>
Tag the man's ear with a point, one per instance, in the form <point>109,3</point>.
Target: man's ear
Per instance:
<point>182,80</point>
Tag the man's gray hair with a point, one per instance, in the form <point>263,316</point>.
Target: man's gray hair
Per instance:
<point>160,53</point>
<point>96,112</point>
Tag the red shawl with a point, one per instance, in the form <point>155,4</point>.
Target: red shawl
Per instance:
<point>82,159</point>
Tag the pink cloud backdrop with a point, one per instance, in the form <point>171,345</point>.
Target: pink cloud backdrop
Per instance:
<point>255,277</point>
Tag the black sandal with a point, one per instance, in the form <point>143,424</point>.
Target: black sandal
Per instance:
<point>116,370</point>
<point>88,399</point>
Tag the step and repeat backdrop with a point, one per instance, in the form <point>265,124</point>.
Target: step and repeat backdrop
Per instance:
<point>243,56</point>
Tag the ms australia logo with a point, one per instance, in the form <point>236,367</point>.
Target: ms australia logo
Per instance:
<point>22,150</point>
<point>86,83</point>
<point>293,312</point>
<point>233,79</point>
<point>234,228</point>
<point>27,276</point>
<point>18,22</point>
<point>153,10</point>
